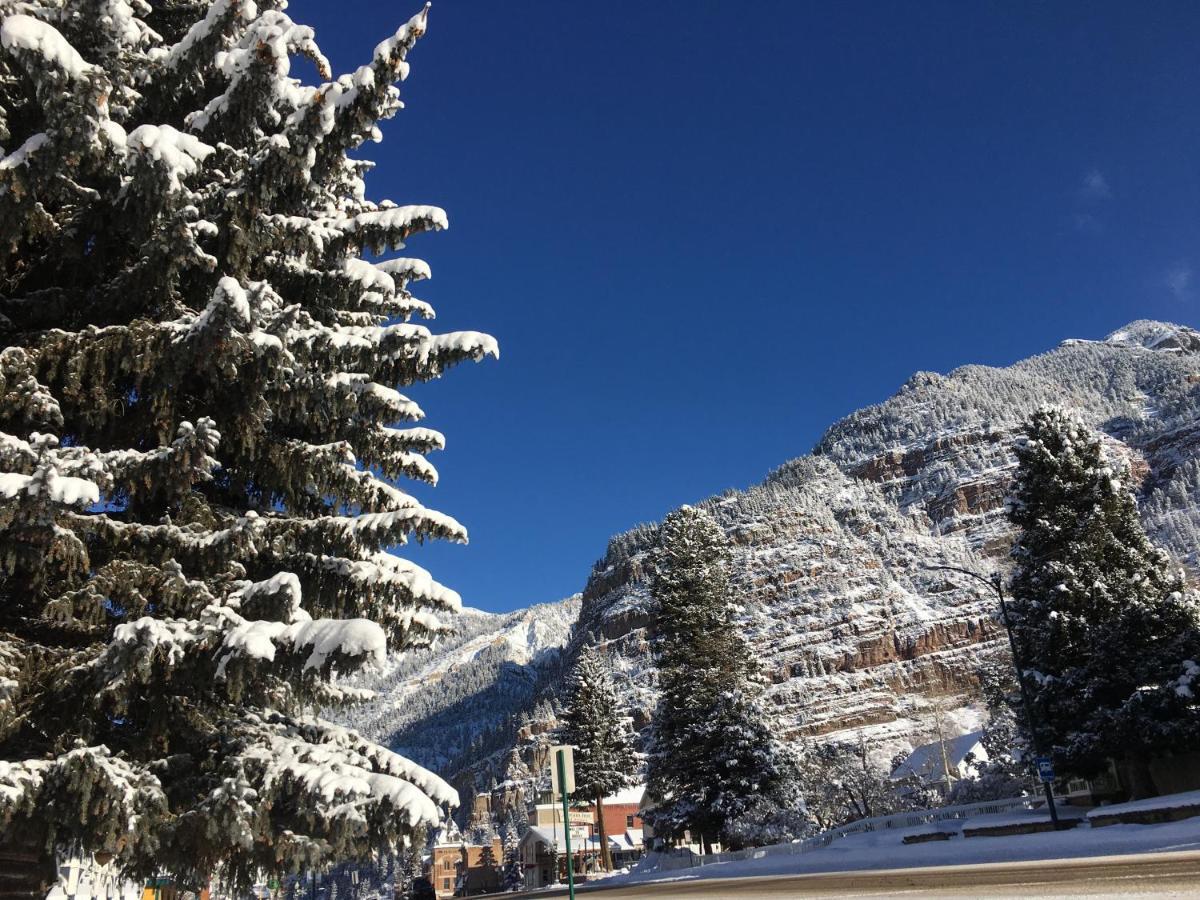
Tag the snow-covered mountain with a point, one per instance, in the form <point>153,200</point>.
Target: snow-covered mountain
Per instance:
<point>448,706</point>
<point>833,553</point>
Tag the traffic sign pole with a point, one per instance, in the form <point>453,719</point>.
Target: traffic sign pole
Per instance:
<point>560,757</point>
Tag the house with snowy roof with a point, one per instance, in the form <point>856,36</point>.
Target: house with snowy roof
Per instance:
<point>942,762</point>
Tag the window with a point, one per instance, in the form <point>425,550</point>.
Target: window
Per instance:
<point>446,864</point>
<point>629,821</point>
<point>445,884</point>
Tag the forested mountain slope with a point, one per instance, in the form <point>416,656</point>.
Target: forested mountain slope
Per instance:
<point>860,638</point>
<point>449,704</point>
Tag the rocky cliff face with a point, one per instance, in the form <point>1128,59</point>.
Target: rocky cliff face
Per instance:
<point>852,628</point>
<point>859,637</point>
<point>833,551</point>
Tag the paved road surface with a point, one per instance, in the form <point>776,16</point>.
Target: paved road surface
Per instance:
<point>1145,874</point>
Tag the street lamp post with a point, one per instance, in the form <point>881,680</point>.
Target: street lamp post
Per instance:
<point>996,583</point>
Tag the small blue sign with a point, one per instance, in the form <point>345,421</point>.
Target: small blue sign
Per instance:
<point>1045,768</point>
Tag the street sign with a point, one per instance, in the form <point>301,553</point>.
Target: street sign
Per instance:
<point>568,765</point>
<point>1045,769</point>
<point>562,780</point>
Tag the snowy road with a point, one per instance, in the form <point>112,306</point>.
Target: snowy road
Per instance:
<point>1148,874</point>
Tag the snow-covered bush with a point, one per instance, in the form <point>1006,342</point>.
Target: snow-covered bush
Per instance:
<point>768,821</point>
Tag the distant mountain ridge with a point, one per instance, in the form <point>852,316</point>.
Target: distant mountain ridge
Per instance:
<point>832,551</point>
<point>453,702</point>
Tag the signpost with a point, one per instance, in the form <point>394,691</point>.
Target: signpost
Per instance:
<point>562,781</point>
<point>1045,769</point>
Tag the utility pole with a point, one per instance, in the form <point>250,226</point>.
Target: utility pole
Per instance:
<point>996,583</point>
<point>937,719</point>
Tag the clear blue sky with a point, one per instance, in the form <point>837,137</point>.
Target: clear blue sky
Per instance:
<point>702,232</point>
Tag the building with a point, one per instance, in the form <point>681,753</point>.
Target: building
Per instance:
<point>538,850</point>
<point>542,844</point>
<point>460,869</point>
<point>622,824</point>
<point>941,763</point>
<point>624,848</point>
<point>621,810</point>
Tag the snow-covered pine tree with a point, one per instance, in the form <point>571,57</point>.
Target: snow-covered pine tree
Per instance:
<point>409,862</point>
<point>714,751</point>
<point>197,451</point>
<point>513,878</point>
<point>593,722</point>
<point>1109,639</point>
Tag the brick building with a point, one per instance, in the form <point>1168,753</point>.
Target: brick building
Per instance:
<point>466,870</point>
<point>621,810</point>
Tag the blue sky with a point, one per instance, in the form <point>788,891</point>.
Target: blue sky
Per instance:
<point>702,232</point>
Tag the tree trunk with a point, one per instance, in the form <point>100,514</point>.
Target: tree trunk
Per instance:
<point>1138,778</point>
<point>706,842</point>
<point>605,857</point>
<point>26,870</point>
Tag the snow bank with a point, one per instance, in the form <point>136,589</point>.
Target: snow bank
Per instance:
<point>1169,801</point>
<point>885,850</point>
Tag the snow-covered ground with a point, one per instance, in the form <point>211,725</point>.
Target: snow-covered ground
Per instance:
<point>886,850</point>
<point>1170,801</point>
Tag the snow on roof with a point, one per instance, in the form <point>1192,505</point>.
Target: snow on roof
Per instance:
<point>926,761</point>
<point>539,834</point>
<point>632,794</point>
<point>615,842</point>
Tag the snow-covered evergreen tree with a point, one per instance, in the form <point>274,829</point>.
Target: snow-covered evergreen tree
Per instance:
<point>715,753</point>
<point>513,875</point>
<point>1109,639</point>
<point>197,446</point>
<point>408,864</point>
<point>594,723</point>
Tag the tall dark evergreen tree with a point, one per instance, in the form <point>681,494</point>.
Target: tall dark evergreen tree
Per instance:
<point>714,752</point>
<point>197,452</point>
<point>1103,625</point>
<point>593,722</point>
